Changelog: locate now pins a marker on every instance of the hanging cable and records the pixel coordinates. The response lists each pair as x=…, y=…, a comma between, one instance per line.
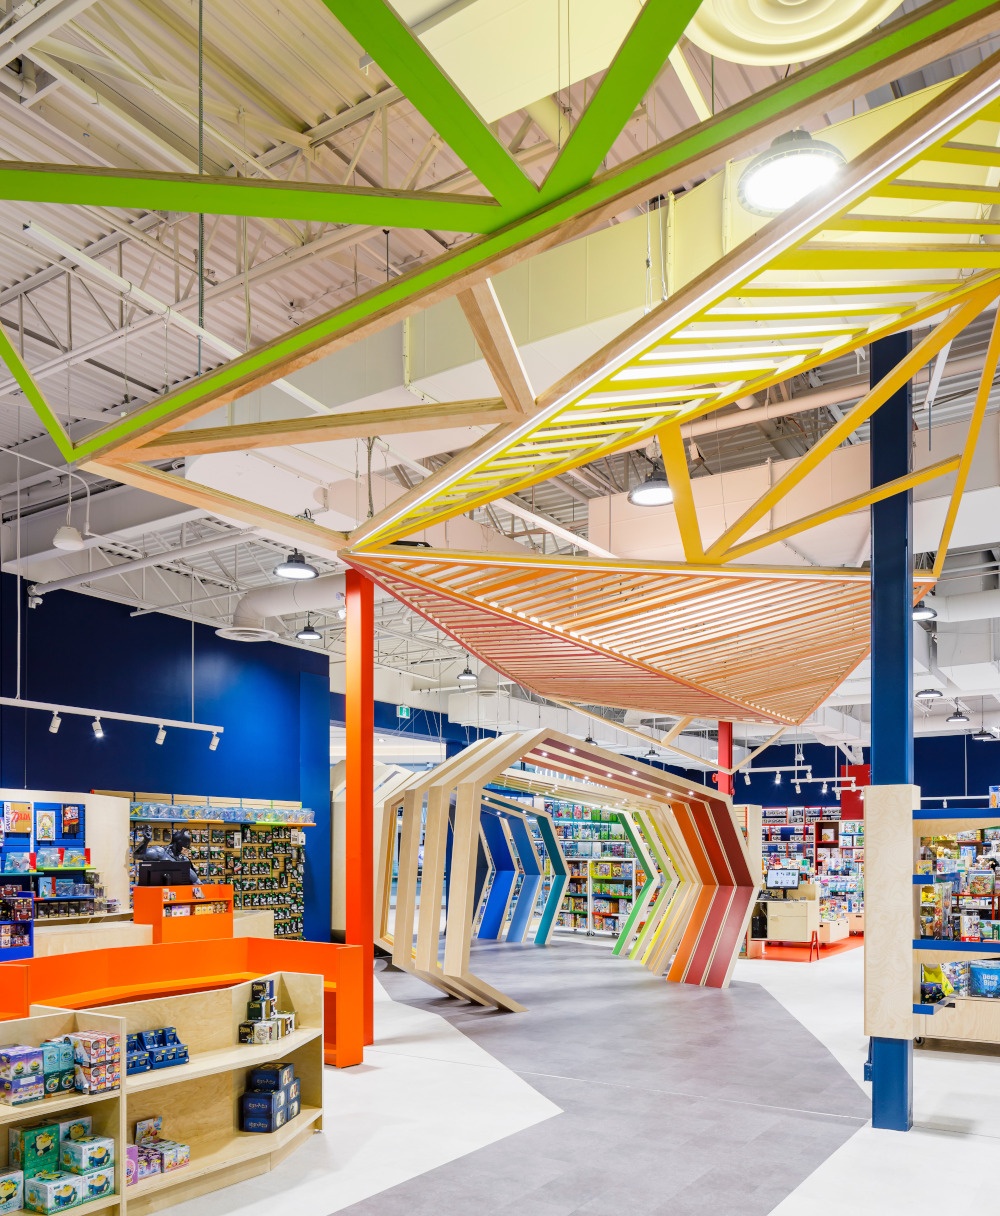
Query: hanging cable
x=201, y=170
x=370, y=444
x=386, y=231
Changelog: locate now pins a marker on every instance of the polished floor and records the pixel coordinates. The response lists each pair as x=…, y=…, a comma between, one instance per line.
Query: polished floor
x=617, y=1092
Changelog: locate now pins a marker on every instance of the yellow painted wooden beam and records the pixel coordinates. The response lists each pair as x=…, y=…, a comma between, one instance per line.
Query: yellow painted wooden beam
x=676, y=466
x=845, y=507
x=975, y=424
x=925, y=350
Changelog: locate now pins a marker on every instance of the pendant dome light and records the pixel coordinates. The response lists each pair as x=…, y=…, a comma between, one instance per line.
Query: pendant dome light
x=957, y=718
x=68, y=539
x=295, y=566
x=655, y=491
x=793, y=166
x=467, y=676
x=929, y=694
x=309, y=633
x=924, y=612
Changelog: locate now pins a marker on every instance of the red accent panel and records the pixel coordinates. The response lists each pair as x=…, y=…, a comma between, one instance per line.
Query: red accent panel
x=852, y=805
x=732, y=932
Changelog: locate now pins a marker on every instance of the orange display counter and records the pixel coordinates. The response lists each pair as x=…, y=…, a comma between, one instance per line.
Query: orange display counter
x=103, y=977
x=178, y=914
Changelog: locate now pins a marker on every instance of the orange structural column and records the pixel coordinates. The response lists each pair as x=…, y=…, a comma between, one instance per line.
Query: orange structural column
x=725, y=780
x=360, y=723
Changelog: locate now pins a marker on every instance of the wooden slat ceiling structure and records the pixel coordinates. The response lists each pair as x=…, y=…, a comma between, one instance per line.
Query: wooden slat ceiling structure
x=712, y=642
x=905, y=235
x=895, y=241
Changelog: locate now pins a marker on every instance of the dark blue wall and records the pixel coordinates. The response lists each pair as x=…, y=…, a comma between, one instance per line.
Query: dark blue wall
x=271, y=700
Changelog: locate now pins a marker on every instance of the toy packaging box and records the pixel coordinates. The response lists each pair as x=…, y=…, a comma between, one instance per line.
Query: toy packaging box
x=90, y=1048
x=168, y=1154
x=76, y=1129
x=264, y=1103
x=89, y=1153
x=18, y=1063
x=270, y=1077
x=11, y=1190
x=262, y=990
x=984, y=978
x=34, y=1148
x=131, y=1164
x=98, y=1183
x=258, y=1032
x=981, y=882
x=25, y=1089
x=147, y=1163
x=53, y=1190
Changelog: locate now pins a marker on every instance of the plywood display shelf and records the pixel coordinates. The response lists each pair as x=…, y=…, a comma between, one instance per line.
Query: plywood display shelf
x=240, y=1148
x=103, y=1204
x=198, y=1102
x=209, y=1063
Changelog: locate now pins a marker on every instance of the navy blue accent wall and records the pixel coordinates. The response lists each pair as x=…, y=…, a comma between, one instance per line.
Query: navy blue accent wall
x=272, y=701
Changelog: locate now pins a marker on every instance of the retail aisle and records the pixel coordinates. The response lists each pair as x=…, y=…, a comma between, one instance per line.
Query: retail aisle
x=675, y=1100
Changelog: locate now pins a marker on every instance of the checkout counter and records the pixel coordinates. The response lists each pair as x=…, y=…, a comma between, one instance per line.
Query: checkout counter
x=789, y=912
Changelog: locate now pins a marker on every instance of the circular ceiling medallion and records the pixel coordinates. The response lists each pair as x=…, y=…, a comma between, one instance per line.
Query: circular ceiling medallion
x=782, y=31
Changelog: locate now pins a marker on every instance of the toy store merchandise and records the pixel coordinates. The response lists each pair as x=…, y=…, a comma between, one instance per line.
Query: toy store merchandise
x=57, y=1165
x=152, y=1153
x=273, y=1097
x=84, y=1061
x=265, y=1022
x=150, y=1049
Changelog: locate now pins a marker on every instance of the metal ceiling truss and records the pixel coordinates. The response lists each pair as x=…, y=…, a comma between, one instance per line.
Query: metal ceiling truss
x=798, y=292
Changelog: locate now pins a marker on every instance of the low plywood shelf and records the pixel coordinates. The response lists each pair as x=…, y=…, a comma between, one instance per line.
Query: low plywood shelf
x=199, y=1102
x=103, y=1204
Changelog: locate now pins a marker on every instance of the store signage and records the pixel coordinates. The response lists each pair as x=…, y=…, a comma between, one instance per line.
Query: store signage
x=402, y=711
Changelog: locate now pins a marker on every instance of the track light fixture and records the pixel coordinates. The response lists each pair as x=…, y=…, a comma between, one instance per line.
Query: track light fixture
x=825, y=787
x=924, y=612
x=746, y=776
x=309, y=633
x=295, y=566
x=798, y=788
x=55, y=724
x=98, y=729
x=777, y=778
x=342, y=614
x=213, y=743
x=161, y=734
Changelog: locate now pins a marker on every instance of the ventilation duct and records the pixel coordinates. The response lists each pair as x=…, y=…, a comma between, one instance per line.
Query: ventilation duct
x=256, y=616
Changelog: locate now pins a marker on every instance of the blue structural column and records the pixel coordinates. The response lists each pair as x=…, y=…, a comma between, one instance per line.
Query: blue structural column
x=314, y=792
x=892, y=669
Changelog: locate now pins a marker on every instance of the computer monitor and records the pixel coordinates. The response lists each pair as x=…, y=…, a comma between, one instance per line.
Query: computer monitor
x=164, y=874
x=781, y=879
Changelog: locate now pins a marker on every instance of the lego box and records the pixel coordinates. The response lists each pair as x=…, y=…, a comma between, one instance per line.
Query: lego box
x=11, y=1190
x=34, y=1148
x=89, y=1153
x=53, y=1190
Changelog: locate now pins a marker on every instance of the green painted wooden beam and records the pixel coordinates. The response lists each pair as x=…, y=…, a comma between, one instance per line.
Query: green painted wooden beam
x=310, y=201
x=403, y=58
x=782, y=102
x=633, y=70
x=9, y=355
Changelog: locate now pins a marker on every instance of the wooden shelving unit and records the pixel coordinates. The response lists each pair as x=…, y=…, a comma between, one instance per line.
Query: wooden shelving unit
x=199, y=1101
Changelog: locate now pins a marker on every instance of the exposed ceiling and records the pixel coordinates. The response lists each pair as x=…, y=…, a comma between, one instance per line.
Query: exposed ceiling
x=100, y=300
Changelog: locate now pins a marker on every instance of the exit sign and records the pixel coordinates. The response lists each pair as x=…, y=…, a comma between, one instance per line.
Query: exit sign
x=402, y=711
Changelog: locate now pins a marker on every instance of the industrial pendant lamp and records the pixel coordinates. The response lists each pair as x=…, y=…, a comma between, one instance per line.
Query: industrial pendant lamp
x=924, y=612
x=68, y=539
x=655, y=491
x=794, y=165
x=467, y=676
x=957, y=718
x=309, y=633
x=983, y=735
x=295, y=566
x=929, y=694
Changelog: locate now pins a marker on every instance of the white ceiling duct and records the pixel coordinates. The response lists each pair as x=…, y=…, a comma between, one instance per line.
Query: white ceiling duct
x=254, y=615
x=974, y=606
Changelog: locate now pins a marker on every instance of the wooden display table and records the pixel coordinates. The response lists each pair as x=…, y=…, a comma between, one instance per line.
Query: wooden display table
x=185, y=914
x=100, y=977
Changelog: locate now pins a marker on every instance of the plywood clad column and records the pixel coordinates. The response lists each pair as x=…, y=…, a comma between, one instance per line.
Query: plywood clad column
x=360, y=728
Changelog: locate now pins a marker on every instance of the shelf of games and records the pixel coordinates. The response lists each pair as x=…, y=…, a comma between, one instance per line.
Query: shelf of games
x=604, y=874
x=258, y=848
x=824, y=849
x=45, y=873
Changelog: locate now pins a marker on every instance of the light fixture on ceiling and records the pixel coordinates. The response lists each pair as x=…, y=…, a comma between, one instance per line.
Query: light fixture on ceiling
x=957, y=718
x=655, y=491
x=55, y=724
x=68, y=539
x=467, y=676
x=929, y=694
x=213, y=743
x=590, y=739
x=295, y=566
x=798, y=788
x=161, y=734
x=98, y=729
x=746, y=776
x=793, y=166
x=651, y=752
x=825, y=788
x=308, y=633
x=342, y=614
x=983, y=735
x=799, y=756
x=924, y=612
x=777, y=778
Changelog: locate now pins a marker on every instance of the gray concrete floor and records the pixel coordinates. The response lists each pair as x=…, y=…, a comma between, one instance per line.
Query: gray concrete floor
x=676, y=1100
